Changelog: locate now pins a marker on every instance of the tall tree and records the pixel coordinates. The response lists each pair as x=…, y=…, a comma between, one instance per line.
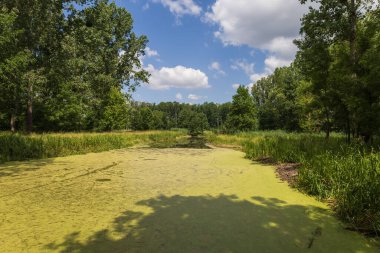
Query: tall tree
x=326, y=31
x=275, y=98
x=243, y=115
x=14, y=62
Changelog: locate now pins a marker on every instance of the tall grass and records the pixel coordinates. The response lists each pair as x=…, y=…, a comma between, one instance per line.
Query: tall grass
x=346, y=174
x=352, y=180
x=18, y=147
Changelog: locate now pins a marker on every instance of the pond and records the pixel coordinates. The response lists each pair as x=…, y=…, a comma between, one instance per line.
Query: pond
x=162, y=200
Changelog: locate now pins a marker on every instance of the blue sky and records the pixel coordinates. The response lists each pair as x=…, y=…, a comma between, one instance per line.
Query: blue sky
x=201, y=50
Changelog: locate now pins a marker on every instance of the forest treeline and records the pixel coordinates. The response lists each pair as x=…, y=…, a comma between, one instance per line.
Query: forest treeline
x=72, y=65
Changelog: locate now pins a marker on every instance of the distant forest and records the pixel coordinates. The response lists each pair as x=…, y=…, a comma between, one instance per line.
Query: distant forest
x=72, y=65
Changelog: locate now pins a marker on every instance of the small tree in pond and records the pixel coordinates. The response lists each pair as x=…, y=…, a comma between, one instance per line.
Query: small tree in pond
x=197, y=123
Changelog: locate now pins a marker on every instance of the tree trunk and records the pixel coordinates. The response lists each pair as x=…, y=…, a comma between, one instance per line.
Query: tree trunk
x=328, y=123
x=13, y=122
x=353, y=19
x=29, y=110
x=348, y=130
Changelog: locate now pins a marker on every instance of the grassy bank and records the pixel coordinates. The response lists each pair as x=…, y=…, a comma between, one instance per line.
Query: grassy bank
x=346, y=175
x=18, y=147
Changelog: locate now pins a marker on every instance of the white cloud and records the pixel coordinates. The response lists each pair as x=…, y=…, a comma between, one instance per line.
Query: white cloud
x=177, y=77
x=215, y=66
x=181, y=7
x=249, y=70
x=267, y=25
x=247, y=67
x=195, y=97
x=256, y=22
x=151, y=53
x=256, y=77
x=274, y=62
x=282, y=46
x=179, y=96
x=248, y=86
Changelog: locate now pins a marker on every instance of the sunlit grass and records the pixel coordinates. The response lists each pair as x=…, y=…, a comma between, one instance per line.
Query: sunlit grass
x=18, y=147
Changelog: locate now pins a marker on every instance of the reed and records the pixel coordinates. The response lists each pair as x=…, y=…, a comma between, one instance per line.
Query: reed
x=18, y=147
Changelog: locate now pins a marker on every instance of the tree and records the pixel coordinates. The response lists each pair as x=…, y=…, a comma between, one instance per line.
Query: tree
x=275, y=98
x=39, y=23
x=141, y=118
x=329, y=57
x=64, y=59
x=115, y=114
x=197, y=124
x=158, y=120
x=13, y=64
x=243, y=116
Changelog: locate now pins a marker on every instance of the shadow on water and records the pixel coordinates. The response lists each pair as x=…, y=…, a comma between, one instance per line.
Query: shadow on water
x=14, y=169
x=208, y=224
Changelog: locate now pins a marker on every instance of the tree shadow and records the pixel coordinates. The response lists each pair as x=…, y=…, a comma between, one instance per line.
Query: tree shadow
x=14, y=169
x=215, y=224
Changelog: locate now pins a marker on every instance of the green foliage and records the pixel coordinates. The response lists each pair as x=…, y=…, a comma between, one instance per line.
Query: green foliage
x=197, y=123
x=276, y=99
x=63, y=69
x=141, y=119
x=242, y=116
x=158, y=120
x=115, y=114
x=171, y=115
x=338, y=37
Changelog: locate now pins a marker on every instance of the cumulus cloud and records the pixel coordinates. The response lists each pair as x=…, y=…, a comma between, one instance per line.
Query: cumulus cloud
x=195, y=97
x=256, y=23
x=267, y=25
x=274, y=62
x=282, y=46
x=177, y=77
x=181, y=7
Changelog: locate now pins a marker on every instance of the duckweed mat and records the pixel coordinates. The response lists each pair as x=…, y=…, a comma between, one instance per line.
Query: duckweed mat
x=162, y=200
